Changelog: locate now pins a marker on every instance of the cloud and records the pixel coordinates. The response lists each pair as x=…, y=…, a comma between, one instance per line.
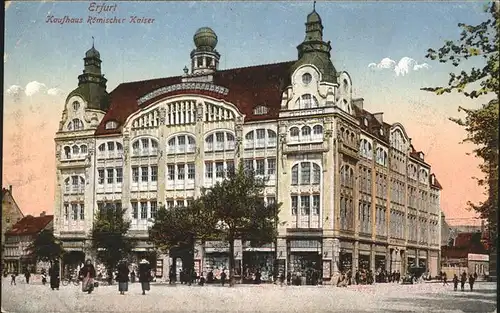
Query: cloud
x=401, y=68
x=34, y=87
x=55, y=92
x=14, y=90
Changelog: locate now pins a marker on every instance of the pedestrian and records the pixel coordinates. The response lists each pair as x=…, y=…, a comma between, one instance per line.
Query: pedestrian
x=288, y=278
x=475, y=276
x=471, y=282
x=223, y=277
x=44, y=277
x=463, y=280
x=27, y=275
x=202, y=280
x=122, y=277
x=132, y=277
x=87, y=274
x=13, y=278
x=356, y=277
x=171, y=275
x=282, y=278
x=445, y=279
x=144, y=275
x=258, y=276
x=455, y=282
x=54, y=276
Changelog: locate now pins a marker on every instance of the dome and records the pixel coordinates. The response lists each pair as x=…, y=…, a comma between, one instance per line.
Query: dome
x=313, y=17
x=92, y=53
x=205, y=37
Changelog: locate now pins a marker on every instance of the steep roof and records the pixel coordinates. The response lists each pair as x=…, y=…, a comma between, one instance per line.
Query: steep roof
x=6, y=192
x=374, y=125
x=248, y=88
x=435, y=183
x=30, y=225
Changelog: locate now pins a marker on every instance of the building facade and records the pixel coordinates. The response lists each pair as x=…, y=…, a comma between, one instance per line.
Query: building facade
x=354, y=191
x=18, y=239
x=11, y=213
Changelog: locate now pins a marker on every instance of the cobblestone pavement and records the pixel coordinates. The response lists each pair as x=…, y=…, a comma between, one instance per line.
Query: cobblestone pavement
x=390, y=298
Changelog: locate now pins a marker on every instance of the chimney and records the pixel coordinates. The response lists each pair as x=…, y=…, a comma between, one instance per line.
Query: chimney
x=42, y=214
x=379, y=117
x=10, y=189
x=358, y=102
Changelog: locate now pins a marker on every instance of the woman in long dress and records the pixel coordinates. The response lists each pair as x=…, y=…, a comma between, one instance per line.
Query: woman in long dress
x=122, y=277
x=54, y=275
x=144, y=275
x=87, y=273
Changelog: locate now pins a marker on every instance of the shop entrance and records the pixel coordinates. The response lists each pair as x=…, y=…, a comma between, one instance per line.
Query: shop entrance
x=258, y=261
x=345, y=261
x=72, y=261
x=306, y=267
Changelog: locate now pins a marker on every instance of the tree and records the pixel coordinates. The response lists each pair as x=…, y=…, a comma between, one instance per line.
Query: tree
x=179, y=227
x=479, y=41
x=45, y=247
x=235, y=209
x=109, y=238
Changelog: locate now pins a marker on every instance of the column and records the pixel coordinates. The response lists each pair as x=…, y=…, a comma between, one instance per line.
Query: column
x=388, y=260
x=126, y=175
x=372, y=258
x=335, y=256
x=199, y=163
x=355, y=257
x=162, y=160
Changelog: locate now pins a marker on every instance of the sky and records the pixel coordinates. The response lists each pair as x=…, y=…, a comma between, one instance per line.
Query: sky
x=382, y=45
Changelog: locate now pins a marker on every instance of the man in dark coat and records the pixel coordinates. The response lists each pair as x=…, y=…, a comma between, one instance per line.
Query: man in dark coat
x=54, y=276
x=463, y=280
x=87, y=274
x=27, y=275
x=471, y=282
x=144, y=275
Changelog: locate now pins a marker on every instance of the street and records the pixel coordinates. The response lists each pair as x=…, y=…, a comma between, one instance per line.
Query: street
x=390, y=298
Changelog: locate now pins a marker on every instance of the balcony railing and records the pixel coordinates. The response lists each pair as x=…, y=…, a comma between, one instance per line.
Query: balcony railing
x=306, y=147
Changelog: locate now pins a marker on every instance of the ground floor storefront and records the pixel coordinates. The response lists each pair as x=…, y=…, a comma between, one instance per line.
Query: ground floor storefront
x=306, y=260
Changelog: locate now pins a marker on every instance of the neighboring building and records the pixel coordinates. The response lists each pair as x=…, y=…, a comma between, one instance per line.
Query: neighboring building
x=11, y=213
x=355, y=192
x=17, y=240
x=468, y=253
x=446, y=233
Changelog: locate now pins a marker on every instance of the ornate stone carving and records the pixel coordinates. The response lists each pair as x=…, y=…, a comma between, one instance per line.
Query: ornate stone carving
x=58, y=151
x=199, y=112
x=163, y=115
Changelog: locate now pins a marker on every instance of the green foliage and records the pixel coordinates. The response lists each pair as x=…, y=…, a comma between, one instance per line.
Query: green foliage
x=109, y=237
x=479, y=41
x=45, y=247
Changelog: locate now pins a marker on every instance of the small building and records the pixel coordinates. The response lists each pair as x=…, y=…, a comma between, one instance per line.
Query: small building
x=11, y=213
x=468, y=253
x=18, y=239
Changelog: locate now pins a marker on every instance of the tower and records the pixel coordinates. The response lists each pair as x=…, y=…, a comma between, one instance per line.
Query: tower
x=313, y=50
x=91, y=83
x=204, y=58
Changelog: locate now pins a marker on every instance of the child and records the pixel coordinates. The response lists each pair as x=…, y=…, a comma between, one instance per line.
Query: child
x=44, y=278
x=13, y=280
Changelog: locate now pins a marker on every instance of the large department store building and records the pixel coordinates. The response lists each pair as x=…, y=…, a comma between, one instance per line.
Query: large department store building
x=354, y=191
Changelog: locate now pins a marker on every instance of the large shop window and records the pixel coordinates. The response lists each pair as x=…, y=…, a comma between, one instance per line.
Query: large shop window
x=303, y=175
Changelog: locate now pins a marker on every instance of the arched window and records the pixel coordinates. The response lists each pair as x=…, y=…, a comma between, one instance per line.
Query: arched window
x=260, y=138
x=77, y=124
x=67, y=152
x=306, y=173
x=83, y=149
x=307, y=101
x=271, y=138
x=223, y=141
x=144, y=147
x=306, y=131
x=76, y=149
x=294, y=134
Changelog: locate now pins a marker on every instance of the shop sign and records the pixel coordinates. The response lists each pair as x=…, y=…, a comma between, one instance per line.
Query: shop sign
x=159, y=268
x=327, y=266
x=478, y=257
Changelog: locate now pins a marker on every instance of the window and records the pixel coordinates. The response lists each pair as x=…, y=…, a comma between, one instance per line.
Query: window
x=144, y=210
x=271, y=200
x=171, y=172
x=317, y=130
x=76, y=149
x=271, y=166
x=260, y=170
x=100, y=178
x=154, y=208
x=83, y=149
x=119, y=174
x=82, y=211
x=230, y=167
x=295, y=175
x=76, y=105
x=305, y=205
x=316, y=174
x=66, y=211
x=209, y=143
x=154, y=173
x=181, y=144
x=191, y=171
x=294, y=205
x=260, y=110
x=77, y=124
x=135, y=174
x=111, y=125
x=248, y=165
x=100, y=207
x=305, y=173
x=316, y=204
x=180, y=203
x=74, y=209
x=180, y=171
x=144, y=173
x=110, y=174
x=294, y=133
x=209, y=170
x=219, y=169
x=306, y=78
x=306, y=101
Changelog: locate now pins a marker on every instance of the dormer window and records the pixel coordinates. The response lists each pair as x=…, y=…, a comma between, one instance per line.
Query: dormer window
x=421, y=155
x=306, y=78
x=306, y=101
x=365, y=122
x=260, y=110
x=111, y=125
x=76, y=105
x=381, y=132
